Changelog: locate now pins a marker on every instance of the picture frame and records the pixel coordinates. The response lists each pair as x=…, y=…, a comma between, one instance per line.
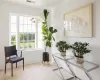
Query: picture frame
x=78, y=23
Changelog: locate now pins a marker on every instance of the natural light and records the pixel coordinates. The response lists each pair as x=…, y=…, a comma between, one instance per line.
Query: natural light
x=25, y=33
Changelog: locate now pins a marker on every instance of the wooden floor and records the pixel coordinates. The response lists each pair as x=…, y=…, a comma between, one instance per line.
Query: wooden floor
x=39, y=72
x=31, y=72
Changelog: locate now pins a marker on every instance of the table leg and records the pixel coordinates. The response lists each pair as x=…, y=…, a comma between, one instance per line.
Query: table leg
x=58, y=68
x=88, y=75
x=69, y=67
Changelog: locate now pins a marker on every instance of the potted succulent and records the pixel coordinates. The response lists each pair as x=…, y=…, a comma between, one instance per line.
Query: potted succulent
x=47, y=33
x=79, y=49
x=62, y=47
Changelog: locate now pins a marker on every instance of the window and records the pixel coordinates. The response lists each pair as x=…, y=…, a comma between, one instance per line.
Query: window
x=24, y=33
x=13, y=29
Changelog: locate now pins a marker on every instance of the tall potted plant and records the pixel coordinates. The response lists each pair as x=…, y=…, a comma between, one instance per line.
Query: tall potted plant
x=62, y=47
x=47, y=34
x=79, y=49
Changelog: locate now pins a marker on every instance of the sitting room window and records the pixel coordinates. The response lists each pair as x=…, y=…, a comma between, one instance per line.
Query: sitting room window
x=24, y=33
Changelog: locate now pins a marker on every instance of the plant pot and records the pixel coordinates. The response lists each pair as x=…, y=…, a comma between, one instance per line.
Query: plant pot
x=45, y=56
x=79, y=60
x=63, y=53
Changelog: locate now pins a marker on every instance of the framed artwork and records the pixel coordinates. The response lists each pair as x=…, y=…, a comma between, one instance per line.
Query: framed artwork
x=78, y=23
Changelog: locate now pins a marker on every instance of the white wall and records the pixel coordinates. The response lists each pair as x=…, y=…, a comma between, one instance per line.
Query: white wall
x=58, y=18
x=57, y=22
x=1, y=2
x=5, y=9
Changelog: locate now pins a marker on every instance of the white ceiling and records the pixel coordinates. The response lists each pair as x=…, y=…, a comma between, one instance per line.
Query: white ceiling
x=1, y=1
x=38, y=3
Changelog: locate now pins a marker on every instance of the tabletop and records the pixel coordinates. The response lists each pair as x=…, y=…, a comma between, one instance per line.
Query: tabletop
x=86, y=65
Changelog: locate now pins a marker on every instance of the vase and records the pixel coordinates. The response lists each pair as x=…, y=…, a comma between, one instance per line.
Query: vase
x=63, y=53
x=79, y=60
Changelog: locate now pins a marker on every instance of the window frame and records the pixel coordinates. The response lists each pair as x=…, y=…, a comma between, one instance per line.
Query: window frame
x=18, y=31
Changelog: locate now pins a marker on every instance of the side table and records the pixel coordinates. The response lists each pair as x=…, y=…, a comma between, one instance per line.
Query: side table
x=86, y=66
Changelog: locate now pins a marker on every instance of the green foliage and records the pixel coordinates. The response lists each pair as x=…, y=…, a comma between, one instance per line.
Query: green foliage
x=13, y=38
x=46, y=13
x=48, y=35
x=79, y=49
x=47, y=31
x=62, y=46
x=25, y=36
x=27, y=40
x=13, y=43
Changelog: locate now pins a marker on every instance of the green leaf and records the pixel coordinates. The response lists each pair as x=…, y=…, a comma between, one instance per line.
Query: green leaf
x=80, y=48
x=46, y=13
x=51, y=29
x=44, y=22
x=62, y=46
x=48, y=43
x=44, y=30
x=53, y=38
x=55, y=30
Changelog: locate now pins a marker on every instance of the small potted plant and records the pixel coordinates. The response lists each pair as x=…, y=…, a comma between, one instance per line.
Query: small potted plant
x=62, y=47
x=79, y=49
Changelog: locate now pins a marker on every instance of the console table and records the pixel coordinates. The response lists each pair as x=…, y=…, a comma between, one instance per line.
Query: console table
x=69, y=60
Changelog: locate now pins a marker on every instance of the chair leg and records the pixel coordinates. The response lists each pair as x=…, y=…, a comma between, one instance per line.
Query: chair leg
x=12, y=69
x=23, y=64
x=5, y=67
x=16, y=64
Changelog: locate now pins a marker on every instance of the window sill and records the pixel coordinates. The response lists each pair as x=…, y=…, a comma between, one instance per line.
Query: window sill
x=37, y=49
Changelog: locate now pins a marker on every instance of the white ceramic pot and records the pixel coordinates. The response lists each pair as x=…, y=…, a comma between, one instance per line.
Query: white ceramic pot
x=79, y=60
x=63, y=53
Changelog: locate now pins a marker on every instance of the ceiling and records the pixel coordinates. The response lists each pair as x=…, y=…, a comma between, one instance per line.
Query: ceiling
x=38, y=3
x=1, y=1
